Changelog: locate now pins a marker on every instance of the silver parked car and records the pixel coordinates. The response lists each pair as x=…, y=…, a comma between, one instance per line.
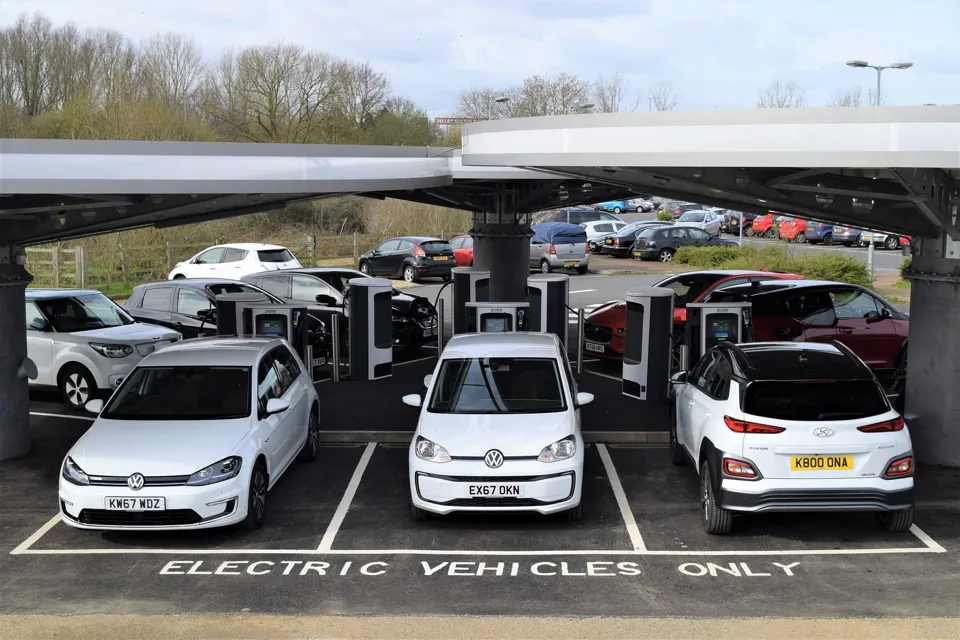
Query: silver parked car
x=558, y=245
x=847, y=236
x=709, y=221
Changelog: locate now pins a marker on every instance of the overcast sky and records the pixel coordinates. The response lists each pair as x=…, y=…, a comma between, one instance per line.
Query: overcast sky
x=716, y=53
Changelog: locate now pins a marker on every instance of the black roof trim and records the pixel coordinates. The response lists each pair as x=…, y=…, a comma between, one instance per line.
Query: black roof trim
x=810, y=363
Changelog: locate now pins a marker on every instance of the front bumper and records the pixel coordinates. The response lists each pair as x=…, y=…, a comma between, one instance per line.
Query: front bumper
x=205, y=507
x=865, y=494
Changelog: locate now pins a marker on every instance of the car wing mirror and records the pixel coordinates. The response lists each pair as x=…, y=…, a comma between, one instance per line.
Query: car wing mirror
x=94, y=406
x=679, y=377
x=326, y=299
x=412, y=400
x=276, y=405
x=427, y=379
x=207, y=315
x=583, y=399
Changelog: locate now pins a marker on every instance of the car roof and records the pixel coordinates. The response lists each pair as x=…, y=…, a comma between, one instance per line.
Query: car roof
x=772, y=286
x=785, y=361
x=317, y=271
x=196, y=283
x=213, y=351
x=250, y=246
x=417, y=239
x=47, y=294
x=501, y=345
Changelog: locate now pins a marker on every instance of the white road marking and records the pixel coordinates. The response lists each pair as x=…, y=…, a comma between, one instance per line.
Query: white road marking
x=327, y=541
x=927, y=540
x=584, y=291
x=39, y=533
x=62, y=415
x=603, y=375
x=397, y=364
x=632, y=529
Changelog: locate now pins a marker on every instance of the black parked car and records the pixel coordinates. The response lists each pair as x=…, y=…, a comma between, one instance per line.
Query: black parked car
x=325, y=289
x=661, y=243
x=730, y=222
x=620, y=244
x=411, y=258
x=189, y=306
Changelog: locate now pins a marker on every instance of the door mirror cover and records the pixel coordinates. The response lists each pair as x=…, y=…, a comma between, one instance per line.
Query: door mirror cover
x=584, y=398
x=276, y=405
x=679, y=377
x=412, y=400
x=427, y=379
x=325, y=299
x=94, y=406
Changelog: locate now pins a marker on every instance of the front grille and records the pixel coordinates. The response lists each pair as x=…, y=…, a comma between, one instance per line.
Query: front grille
x=171, y=517
x=597, y=333
x=152, y=481
x=494, y=502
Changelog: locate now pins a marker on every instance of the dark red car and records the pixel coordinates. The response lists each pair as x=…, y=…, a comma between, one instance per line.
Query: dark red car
x=605, y=327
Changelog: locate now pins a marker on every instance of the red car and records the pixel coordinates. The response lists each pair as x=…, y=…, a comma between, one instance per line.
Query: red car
x=463, y=250
x=793, y=230
x=604, y=328
x=763, y=226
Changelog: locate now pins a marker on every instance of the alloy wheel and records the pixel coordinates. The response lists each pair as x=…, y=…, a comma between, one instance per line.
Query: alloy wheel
x=313, y=434
x=77, y=389
x=258, y=498
x=665, y=256
x=409, y=274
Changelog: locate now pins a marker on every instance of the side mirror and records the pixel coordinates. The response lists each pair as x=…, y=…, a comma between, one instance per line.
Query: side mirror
x=325, y=299
x=38, y=325
x=412, y=400
x=679, y=377
x=583, y=399
x=427, y=379
x=885, y=313
x=207, y=315
x=94, y=406
x=277, y=405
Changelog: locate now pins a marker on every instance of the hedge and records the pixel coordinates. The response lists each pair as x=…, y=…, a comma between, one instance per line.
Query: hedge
x=665, y=216
x=833, y=266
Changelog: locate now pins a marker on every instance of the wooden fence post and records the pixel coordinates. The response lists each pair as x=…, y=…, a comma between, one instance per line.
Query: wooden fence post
x=356, y=252
x=123, y=262
x=55, y=265
x=169, y=257
x=80, y=265
x=313, y=250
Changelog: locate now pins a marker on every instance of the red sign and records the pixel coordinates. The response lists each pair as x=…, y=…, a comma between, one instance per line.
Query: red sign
x=449, y=121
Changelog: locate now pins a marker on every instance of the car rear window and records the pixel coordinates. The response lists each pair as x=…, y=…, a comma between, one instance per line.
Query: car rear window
x=436, y=246
x=815, y=400
x=275, y=255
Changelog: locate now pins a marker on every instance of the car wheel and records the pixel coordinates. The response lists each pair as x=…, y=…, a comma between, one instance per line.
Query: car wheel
x=640, y=209
x=418, y=514
x=860, y=242
x=545, y=266
x=257, y=497
x=770, y=233
x=891, y=242
x=575, y=514
x=365, y=268
x=716, y=521
x=582, y=270
x=617, y=210
x=665, y=255
x=828, y=239
x=896, y=521
x=179, y=276
x=311, y=447
x=77, y=386
x=801, y=238
x=677, y=455
x=409, y=274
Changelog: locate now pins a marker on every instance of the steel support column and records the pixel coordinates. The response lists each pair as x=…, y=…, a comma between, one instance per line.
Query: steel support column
x=14, y=399
x=932, y=407
x=501, y=245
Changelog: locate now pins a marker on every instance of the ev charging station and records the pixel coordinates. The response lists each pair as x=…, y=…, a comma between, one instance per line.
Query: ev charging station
x=371, y=329
x=709, y=324
x=497, y=317
x=549, y=296
x=469, y=285
x=647, y=344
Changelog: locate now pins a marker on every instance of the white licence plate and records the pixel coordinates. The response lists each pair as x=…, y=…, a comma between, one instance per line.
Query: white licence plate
x=495, y=491
x=596, y=348
x=429, y=332
x=319, y=362
x=136, y=504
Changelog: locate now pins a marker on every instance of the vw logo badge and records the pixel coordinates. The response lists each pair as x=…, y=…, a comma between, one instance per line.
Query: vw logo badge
x=493, y=459
x=135, y=481
x=823, y=432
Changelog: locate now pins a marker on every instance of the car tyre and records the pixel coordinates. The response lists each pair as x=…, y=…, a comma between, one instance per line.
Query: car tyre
x=677, y=455
x=409, y=274
x=665, y=255
x=582, y=270
x=800, y=238
x=770, y=233
x=896, y=521
x=716, y=521
x=828, y=239
x=418, y=514
x=545, y=266
x=365, y=268
x=575, y=514
x=179, y=276
x=257, y=497
x=640, y=209
x=311, y=446
x=891, y=242
x=77, y=386
x=617, y=210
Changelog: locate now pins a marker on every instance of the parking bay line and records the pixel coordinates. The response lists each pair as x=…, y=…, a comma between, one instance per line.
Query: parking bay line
x=326, y=543
x=632, y=529
x=24, y=546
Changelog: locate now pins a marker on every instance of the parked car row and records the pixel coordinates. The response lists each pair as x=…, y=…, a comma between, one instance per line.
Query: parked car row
x=793, y=229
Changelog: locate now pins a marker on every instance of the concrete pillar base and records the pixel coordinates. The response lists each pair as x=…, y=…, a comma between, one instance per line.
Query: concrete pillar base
x=14, y=398
x=504, y=251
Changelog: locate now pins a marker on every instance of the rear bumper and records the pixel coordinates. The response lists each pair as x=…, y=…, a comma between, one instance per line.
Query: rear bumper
x=560, y=263
x=618, y=252
x=435, y=269
x=846, y=499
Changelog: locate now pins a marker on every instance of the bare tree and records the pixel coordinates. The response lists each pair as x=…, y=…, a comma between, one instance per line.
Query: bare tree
x=172, y=68
x=872, y=98
x=609, y=93
x=361, y=93
x=549, y=95
x=850, y=98
x=480, y=103
x=662, y=97
x=30, y=48
x=781, y=95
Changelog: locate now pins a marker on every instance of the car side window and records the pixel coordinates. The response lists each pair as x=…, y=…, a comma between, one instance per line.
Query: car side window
x=814, y=309
x=678, y=234
x=617, y=226
x=467, y=243
x=307, y=288
x=698, y=234
x=389, y=245
x=456, y=242
x=854, y=304
x=698, y=376
x=277, y=285
x=603, y=228
x=731, y=283
x=405, y=245
x=234, y=255
x=157, y=299
x=718, y=379
x=607, y=216
x=211, y=256
x=191, y=303
x=287, y=368
x=268, y=383
x=35, y=319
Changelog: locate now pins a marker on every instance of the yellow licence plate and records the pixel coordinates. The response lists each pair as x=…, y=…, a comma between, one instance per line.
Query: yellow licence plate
x=571, y=263
x=441, y=258
x=821, y=463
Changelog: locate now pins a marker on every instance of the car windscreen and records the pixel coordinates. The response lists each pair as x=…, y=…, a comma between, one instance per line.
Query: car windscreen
x=687, y=288
x=815, y=400
x=83, y=313
x=691, y=217
x=182, y=393
x=275, y=255
x=498, y=385
x=235, y=287
x=436, y=246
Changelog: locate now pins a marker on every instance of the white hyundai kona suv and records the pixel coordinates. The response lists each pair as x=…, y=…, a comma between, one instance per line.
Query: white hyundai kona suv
x=194, y=438
x=499, y=429
x=785, y=426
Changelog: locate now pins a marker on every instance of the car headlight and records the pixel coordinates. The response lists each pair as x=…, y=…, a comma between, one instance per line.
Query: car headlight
x=73, y=473
x=427, y=450
x=217, y=472
x=112, y=350
x=559, y=450
x=398, y=318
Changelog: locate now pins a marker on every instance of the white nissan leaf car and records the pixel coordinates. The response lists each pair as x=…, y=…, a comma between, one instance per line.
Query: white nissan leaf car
x=499, y=429
x=786, y=426
x=194, y=438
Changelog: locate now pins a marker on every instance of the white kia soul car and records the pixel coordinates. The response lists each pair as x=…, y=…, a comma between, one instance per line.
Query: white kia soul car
x=233, y=261
x=499, y=429
x=194, y=438
x=82, y=342
x=785, y=426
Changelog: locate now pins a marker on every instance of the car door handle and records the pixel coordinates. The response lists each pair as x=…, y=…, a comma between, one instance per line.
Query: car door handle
x=844, y=330
x=690, y=404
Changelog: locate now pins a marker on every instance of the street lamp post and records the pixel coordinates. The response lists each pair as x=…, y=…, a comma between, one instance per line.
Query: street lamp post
x=499, y=100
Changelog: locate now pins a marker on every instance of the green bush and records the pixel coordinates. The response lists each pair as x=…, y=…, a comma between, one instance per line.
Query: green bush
x=812, y=266
x=906, y=264
x=665, y=216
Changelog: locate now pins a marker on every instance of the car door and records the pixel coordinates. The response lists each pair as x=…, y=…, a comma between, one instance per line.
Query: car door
x=155, y=306
x=294, y=384
x=207, y=264
x=186, y=315
x=698, y=407
x=380, y=259
x=40, y=344
x=866, y=326
x=233, y=265
x=814, y=315
x=699, y=237
x=270, y=427
x=278, y=285
x=404, y=250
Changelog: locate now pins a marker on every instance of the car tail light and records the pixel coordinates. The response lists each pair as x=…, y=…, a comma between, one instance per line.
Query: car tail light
x=741, y=426
x=586, y=249
x=553, y=250
x=900, y=468
x=682, y=315
x=419, y=252
x=738, y=468
x=883, y=427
